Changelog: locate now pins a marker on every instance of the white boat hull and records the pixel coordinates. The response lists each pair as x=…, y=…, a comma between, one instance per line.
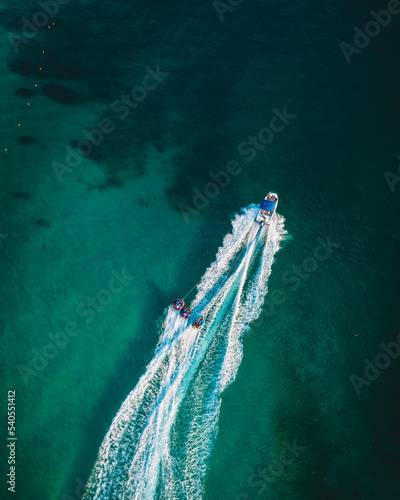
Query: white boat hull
x=267, y=209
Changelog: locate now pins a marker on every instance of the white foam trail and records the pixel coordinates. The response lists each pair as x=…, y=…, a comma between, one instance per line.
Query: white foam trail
x=160, y=440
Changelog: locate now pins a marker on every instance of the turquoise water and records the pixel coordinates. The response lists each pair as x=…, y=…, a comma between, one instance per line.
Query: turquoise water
x=120, y=212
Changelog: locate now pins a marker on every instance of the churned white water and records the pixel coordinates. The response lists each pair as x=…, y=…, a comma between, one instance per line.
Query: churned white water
x=159, y=442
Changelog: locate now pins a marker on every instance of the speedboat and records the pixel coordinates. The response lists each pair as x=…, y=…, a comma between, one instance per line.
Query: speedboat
x=185, y=312
x=267, y=209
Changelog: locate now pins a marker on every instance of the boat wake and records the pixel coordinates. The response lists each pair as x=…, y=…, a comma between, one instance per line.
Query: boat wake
x=160, y=440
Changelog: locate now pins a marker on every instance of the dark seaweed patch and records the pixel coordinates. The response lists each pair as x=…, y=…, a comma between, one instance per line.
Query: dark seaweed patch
x=143, y=202
x=112, y=180
x=41, y=222
x=21, y=195
x=52, y=69
x=61, y=94
x=22, y=92
x=24, y=68
x=27, y=140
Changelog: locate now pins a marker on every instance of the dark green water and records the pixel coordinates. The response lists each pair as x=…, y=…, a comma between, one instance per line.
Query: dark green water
x=119, y=209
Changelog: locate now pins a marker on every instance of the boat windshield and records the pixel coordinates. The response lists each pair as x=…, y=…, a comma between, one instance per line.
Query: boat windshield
x=267, y=205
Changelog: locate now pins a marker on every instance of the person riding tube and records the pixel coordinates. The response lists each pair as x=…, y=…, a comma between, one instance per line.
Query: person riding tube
x=186, y=312
x=198, y=322
x=178, y=304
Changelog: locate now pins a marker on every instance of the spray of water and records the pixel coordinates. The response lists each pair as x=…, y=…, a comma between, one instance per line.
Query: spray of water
x=160, y=440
